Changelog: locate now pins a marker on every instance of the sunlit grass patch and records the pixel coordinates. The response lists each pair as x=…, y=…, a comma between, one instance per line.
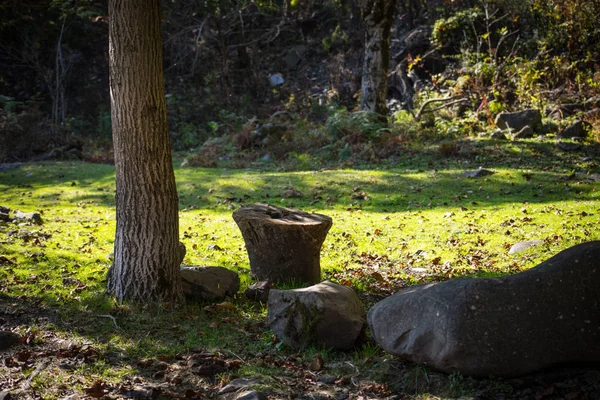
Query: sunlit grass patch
x=393, y=226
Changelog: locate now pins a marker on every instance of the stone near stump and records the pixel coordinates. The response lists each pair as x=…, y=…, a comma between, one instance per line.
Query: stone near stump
x=506, y=326
x=478, y=173
x=282, y=244
x=578, y=129
x=522, y=246
x=259, y=291
x=33, y=217
x=518, y=120
x=209, y=283
x=525, y=133
x=326, y=314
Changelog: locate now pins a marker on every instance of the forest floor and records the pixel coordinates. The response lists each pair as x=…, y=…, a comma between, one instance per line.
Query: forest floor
x=407, y=221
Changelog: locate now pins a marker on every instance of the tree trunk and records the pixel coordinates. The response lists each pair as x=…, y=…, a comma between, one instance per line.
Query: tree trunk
x=147, y=250
x=378, y=16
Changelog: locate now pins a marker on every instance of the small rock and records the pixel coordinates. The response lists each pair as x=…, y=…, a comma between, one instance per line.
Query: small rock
x=259, y=291
x=8, y=339
x=518, y=120
x=565, y=146
x=276, y=80
x=4, y=210
x=291, y=192
x=33, y=217
x=525, y=133
x=498, y=135
x=328, y=379
x=326, y=314
x=522, y=246
x=593, y=178
x=209, y=283
x=252, y=395
x=478, y=173
x=578, y=129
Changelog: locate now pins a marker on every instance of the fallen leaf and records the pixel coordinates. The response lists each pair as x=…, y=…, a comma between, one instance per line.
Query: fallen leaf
x=317, y=363
x=377, y=276
x=97, y=390
x=23, y=355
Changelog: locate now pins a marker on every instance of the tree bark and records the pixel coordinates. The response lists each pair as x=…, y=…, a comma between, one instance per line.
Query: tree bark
x=147, y=250
x=378, y=16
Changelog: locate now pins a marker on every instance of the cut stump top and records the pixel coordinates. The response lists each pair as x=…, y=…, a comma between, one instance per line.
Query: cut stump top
x=269, y=214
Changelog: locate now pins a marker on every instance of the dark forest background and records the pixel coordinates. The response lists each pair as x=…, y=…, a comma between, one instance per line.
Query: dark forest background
x=223, y=61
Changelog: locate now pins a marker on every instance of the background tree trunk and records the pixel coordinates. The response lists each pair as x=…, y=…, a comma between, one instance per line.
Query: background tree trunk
x=378, y=16
x=147, y=250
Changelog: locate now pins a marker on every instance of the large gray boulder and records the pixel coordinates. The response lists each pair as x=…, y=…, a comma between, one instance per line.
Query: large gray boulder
x=519, y=120
x=506, y=326
x=209, y=283
x=326, y=314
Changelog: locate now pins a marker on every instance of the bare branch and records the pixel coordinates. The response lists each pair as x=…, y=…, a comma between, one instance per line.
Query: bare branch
x=451, y=101
x=113, y=320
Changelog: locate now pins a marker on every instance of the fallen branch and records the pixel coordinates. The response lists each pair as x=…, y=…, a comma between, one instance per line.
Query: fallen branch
x=451, y=101
x=40, y=367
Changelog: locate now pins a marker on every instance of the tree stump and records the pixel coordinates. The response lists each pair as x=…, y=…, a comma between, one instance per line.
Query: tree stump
x=283, y=244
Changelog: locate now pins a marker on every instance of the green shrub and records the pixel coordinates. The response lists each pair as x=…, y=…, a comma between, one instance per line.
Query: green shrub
x=356, y=127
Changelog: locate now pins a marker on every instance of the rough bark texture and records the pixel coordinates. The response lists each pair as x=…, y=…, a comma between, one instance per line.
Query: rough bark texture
x=378, y=16
x=283, y=244
x=147, y=250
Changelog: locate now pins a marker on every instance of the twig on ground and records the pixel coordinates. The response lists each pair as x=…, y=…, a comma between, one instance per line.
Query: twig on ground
x=113, y=320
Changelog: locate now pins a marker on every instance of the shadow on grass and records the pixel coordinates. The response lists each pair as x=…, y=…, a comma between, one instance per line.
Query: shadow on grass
x=529, y=171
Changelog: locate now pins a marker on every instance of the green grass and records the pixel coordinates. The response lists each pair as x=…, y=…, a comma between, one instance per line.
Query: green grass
x=398, y=224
